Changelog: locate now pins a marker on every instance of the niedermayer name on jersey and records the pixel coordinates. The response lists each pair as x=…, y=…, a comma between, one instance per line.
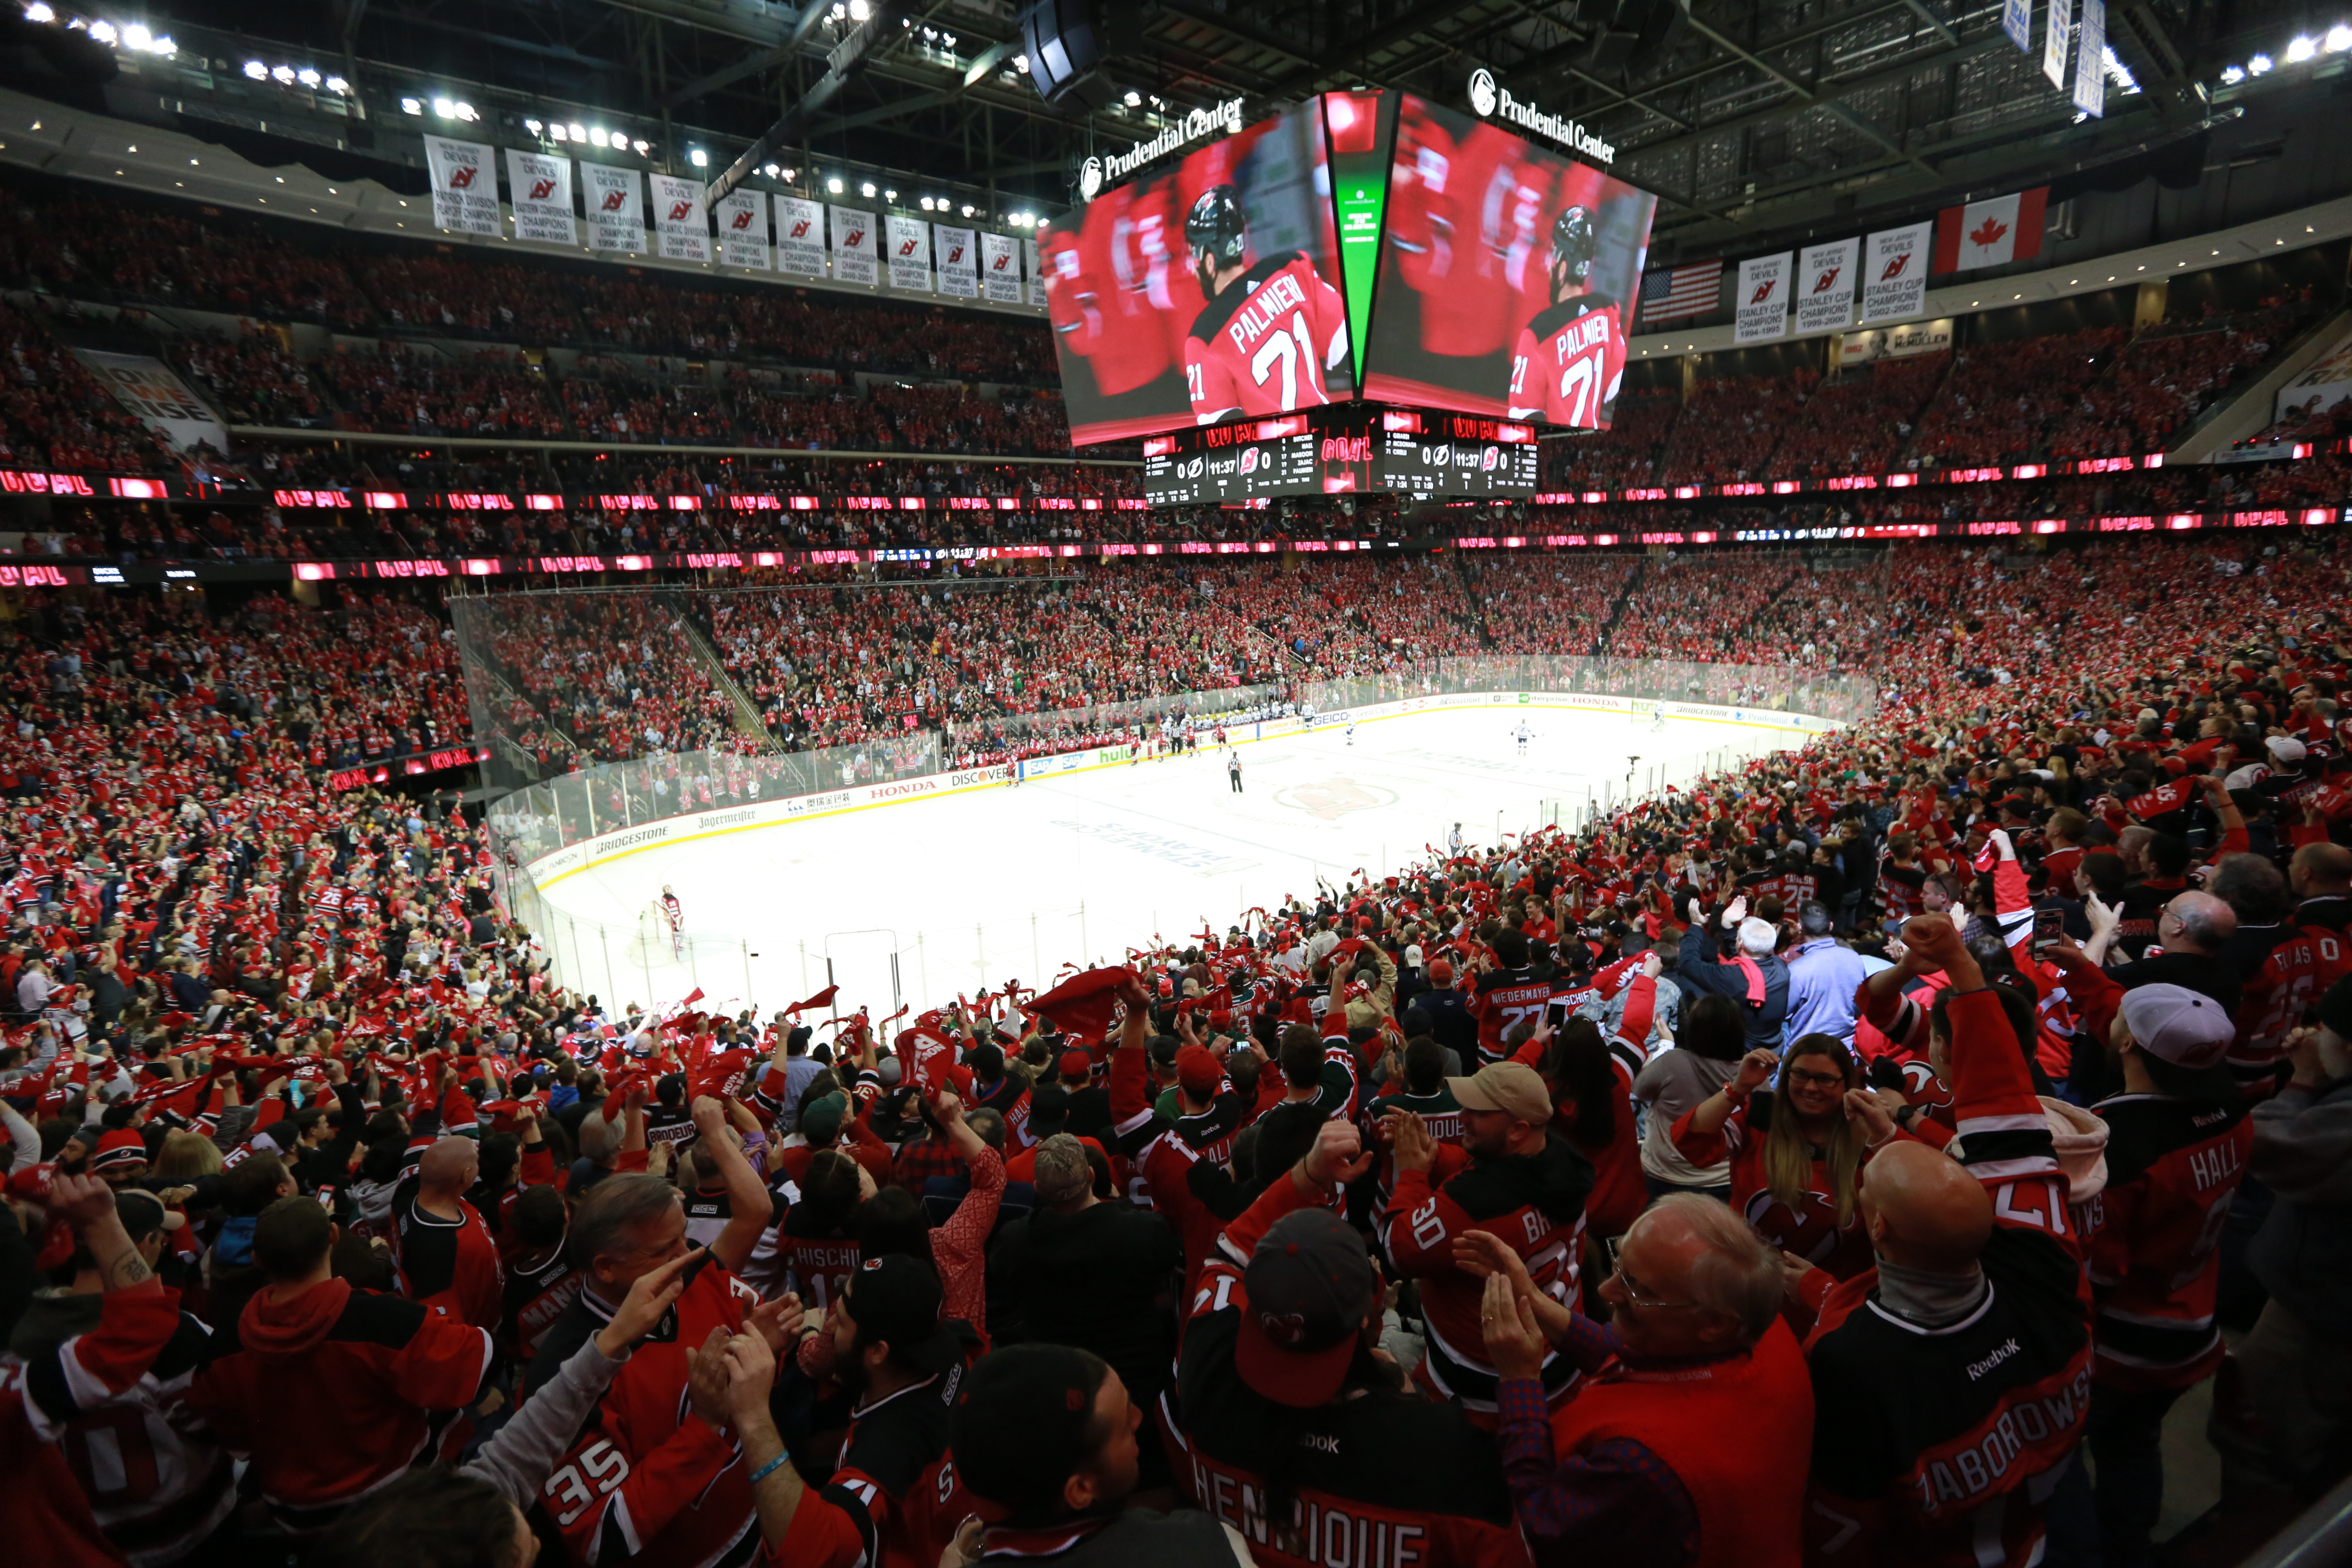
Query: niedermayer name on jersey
x=1278, y=293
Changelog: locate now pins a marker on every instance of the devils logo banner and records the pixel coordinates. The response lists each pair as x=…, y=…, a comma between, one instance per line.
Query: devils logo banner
x=1142, y=281
x=1895, y=273
x=679, y=220
x=1826, y=281
x=1000, y=269
x=615, y=200
x=1508, y=277
x=855, y=246
x=541, y=191
x=743, y=231
x=1761, y=307
x=909, y=241
x=800, y=236
x=464, y=185
x=959, y=266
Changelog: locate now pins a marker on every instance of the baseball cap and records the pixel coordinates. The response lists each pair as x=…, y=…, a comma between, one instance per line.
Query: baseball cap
x=2286, y=748
x=120, y=1147
x=1078, y=1064
x=1308, y=1289
x=895, y=1300
x=1513, y=1088
x=1441, y=971
x=2185, y=1036
x=1413, y=955
x=1046, y=1394
x=821, y=1118
x=1198, y=1071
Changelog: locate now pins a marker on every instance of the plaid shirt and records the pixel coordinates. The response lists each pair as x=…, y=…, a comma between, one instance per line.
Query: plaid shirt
x=920, y=1161
x=1614, y=1503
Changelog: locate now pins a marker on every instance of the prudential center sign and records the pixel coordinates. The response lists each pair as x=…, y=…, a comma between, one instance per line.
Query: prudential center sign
x=1493, y=102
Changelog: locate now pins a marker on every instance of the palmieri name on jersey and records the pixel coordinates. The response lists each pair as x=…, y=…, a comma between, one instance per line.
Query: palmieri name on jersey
x=1278, y=293
x=1588, y=330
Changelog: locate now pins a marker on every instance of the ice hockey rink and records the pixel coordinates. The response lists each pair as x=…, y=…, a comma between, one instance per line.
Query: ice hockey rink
x=1011, y=882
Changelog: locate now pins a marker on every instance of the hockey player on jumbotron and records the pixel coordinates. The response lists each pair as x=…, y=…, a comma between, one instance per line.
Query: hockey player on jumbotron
x=1569, y=359
x=1271, y=329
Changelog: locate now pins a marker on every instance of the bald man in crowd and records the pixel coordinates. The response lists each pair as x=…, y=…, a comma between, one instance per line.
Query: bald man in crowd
x=1952, y=1381
x=2321, y=877
x=447, y=1257
x=2190, y=933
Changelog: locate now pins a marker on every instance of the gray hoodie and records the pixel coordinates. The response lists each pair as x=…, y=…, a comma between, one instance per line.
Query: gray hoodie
x=2302, y=1254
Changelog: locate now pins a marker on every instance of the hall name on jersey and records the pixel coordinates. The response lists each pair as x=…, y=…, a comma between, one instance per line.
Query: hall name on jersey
x=1278, y=293
x=1587, y=331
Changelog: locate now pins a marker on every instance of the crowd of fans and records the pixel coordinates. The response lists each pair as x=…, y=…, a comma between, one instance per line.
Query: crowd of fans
x=1745, y=1175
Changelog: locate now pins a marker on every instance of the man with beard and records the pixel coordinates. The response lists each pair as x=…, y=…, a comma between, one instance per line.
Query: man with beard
x=1511, y=1178
x=1271, y=331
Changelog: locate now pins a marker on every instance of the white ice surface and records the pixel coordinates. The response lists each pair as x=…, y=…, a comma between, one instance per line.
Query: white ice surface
x=1010, y=883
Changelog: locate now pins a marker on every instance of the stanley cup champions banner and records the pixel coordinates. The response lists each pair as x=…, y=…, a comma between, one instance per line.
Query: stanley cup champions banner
x=464, y=185
x=743, y=231
x=1761, y=311
x=679, y=219
x=1000, y=269
x=853, y=246
x=1895, y=272
x=958, y=265
x=617, y=208
x=542, y=188
x=800, y=236
x=911, y=253
x=1825, y=286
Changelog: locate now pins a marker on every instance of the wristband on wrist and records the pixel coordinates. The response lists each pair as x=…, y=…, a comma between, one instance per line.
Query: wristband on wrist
x=771, y=1468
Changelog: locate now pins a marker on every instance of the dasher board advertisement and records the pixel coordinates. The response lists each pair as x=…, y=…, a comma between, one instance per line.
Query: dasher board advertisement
x=1207, y=292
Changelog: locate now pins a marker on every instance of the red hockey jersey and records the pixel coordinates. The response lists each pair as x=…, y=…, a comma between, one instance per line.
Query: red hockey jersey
x=1567, y=363
x=1266, y=343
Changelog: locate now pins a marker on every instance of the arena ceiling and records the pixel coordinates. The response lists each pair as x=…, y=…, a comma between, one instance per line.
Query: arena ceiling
x=1751, y=119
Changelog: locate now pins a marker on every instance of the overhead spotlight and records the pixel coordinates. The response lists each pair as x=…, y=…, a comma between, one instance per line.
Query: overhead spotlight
x=770, y=169
x=135, y=35
x=578, y=133
x=834, y=185
x=410, y=106
x=533, y=126
x=36, y=12
x=2338, y=39
x=2233, y=75
x=1021, y=64
x=859, y=10
x=103, y=32
x=465, y=111
x=283, y=75
x=335, y=84
x=889, y=196
x=642, y=148
x=446, y=108
x=2259, y=65
x=698, y=158
x=308, y=77
x=927, y=204
x=967, y=209
x=256, y=71
x=2302, y=48
x=865, y=189
x=1134, y=100
x=601, y=137
x=558, y=133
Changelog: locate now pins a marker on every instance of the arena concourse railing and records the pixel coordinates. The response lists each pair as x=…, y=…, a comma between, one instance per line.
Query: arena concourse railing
x=547, y=831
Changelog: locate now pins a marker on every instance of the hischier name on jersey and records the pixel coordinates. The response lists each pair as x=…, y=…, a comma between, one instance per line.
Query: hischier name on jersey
x=1271, y=330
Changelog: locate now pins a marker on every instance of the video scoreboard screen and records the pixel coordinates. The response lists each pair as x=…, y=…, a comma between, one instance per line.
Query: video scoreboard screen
x=1345, y=450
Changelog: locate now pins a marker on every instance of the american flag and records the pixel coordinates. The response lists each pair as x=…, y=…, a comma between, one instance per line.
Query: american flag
x=1681, y=290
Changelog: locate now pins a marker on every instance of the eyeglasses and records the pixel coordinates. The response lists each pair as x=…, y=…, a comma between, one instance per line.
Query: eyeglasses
x=1814, y=1080
x=1637, y=1297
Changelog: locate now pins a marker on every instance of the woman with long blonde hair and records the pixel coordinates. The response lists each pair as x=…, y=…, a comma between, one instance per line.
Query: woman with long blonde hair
x=1796, y=1152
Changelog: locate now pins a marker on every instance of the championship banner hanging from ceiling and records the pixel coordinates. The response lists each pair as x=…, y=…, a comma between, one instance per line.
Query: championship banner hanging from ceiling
x=743, y=231
x=683, y=230
x=542, y=188
x=800, y=236
x=959, y=265
x=1000, y=269
x=853, y=246
x=909, y=239
x=1825, y=286
x=615, y=200
x=1762, y=303
x=1895, y=272
x=464, y=185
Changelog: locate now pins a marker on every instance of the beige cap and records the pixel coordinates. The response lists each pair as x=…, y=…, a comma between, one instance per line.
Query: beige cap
x=1513, y=1088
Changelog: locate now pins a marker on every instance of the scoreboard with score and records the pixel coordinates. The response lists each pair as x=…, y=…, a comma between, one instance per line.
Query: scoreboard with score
x=1340, y=450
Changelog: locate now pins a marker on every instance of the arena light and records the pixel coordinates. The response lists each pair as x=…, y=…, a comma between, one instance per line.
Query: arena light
x=2302, y=47
x=2259, y=65
x=2338, y=39
x=36, y=12
x=697, y=157
x=579, y=131
x=410, y=106
x=601, y=137
x=642, y=147
x=834, y=185
x=335, y=84
x=865, y=189
x=256, y=70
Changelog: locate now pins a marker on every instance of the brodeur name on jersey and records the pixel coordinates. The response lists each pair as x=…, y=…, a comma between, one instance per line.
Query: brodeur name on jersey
x=1568, y=362
x=1263, y=344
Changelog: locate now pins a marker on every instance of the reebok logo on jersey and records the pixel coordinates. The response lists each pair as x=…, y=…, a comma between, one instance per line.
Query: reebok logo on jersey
x=1320, y=1442
x=1277, y=294
x=2001, y=1352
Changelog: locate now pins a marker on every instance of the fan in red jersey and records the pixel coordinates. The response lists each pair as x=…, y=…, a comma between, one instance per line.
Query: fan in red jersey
x=1271, y=330
x=1570, y=358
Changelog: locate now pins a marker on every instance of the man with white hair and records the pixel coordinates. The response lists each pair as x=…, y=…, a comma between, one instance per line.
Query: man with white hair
x=1633, y=1468
x=1750, y=975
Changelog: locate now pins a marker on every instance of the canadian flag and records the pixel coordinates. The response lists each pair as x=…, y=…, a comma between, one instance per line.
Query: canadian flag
x=1986, y=234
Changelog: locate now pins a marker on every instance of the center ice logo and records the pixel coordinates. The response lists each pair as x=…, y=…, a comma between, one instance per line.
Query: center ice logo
x=1331, y=799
